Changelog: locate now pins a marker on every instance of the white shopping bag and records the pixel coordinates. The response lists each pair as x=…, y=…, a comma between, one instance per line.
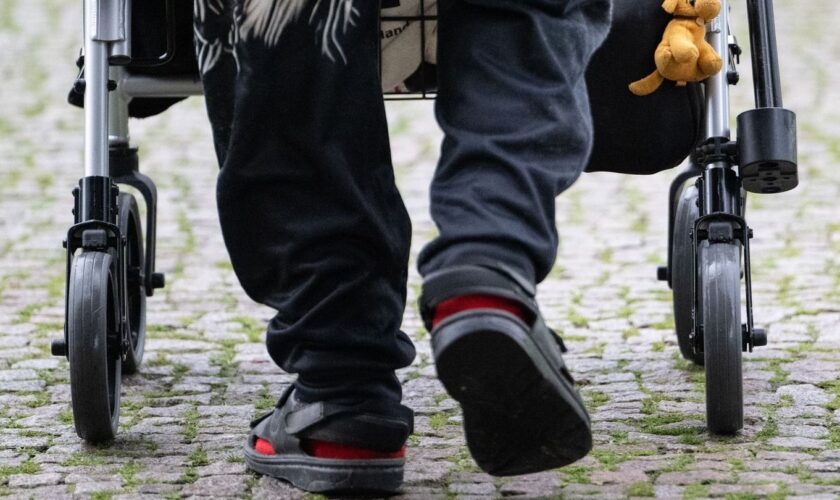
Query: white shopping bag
x=402, y=54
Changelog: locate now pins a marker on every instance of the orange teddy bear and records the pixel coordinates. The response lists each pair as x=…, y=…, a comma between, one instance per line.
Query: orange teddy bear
x=683, y=55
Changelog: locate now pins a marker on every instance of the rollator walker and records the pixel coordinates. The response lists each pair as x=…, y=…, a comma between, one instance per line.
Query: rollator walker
x=111, y=260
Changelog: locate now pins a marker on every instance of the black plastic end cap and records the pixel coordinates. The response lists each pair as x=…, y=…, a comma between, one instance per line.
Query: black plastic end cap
x=58, y=347
x=662, y=273
x=759, y=337
x=158, y=280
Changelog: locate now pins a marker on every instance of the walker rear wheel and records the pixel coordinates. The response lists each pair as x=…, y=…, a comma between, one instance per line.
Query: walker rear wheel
x=683, y=272
x=135, y=287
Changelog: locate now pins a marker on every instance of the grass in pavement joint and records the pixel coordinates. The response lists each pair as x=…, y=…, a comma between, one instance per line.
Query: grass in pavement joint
x=196, y=459
x=640, y=489
x=190, y=424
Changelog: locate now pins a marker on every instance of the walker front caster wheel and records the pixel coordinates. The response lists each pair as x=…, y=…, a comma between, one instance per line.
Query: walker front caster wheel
x=723, y=338
x=94, y=345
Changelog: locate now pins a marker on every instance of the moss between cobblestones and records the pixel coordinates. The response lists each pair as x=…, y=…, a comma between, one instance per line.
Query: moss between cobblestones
x=833, y=388
x=196, y=459
x=157, y=328
x=573, y=338
x=597, y=398
x=225, y=359
x=441, y=419
x=769, y=431
x=653, y=424
x=641, y=224
x=159, y=360
x=103, y=495
x=602, y=278
x=26, y=467
x=223, y=264
x=692, y=439
x=252, y=328
x=85, y=458
x=800, y=471
x=680, y=463
x=558, y=272
x=640, y=489
x=605, y=255
x=785, y=401
x=650, y=405
x=620, y=437
x=741, y=496
x=265, y=401
x=128, y=472
x=190, y=424
x=578, y=474
x=611, y=459
x=25, y=313
x=685, y=365
x=666, y=324
x=833, y=436
x=42, y=398
x=696, y=490
x=780, y=494
x=737, y=464
x=52, y=377
x=630, y=333
x=780, y=376
x=65, y=416
x=576, y=319
x=596, y=350
x=463, y=461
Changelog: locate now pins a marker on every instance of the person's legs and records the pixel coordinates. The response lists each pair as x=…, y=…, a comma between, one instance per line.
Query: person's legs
x=309, y=209
x=314, y=225
x=513, y=104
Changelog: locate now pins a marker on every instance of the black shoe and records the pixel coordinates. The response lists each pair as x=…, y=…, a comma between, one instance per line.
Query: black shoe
x=324, y=447
x=522, y=413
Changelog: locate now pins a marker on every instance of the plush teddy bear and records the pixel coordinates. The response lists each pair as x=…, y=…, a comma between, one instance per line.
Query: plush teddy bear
x=683, y=55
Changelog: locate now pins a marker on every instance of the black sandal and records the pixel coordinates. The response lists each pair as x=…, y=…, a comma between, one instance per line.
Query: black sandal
x=324, y=447
x=522, y=413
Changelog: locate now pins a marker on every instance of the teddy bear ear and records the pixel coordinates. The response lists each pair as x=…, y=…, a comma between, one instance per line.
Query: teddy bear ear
x=670, y=6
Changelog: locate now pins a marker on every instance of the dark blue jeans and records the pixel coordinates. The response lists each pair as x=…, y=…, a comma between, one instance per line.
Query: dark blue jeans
x=309, y=209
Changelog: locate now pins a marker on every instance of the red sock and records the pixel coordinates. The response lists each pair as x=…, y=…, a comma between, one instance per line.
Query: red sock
x=466, y=302
x=324, y=449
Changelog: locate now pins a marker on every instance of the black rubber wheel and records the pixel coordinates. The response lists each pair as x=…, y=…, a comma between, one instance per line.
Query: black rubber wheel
x=130, y=226
x=683, y=271
x=720, y=274
x=93, y=346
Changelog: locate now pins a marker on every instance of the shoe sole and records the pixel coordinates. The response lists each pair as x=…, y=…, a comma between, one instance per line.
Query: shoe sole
x=323, y=475
x=520, y=414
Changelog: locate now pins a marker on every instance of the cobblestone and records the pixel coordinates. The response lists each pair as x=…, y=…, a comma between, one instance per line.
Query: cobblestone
x=206, y=372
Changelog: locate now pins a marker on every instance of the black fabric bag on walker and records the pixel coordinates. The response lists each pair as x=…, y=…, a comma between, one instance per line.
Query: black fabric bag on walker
x=639, y=135
x=633, y=135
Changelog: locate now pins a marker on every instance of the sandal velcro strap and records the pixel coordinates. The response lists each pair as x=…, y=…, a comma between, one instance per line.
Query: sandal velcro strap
x=495, y=279
x=376, y=425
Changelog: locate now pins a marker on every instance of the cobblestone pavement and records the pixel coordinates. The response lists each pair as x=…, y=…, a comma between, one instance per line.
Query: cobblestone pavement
x=206, y=371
